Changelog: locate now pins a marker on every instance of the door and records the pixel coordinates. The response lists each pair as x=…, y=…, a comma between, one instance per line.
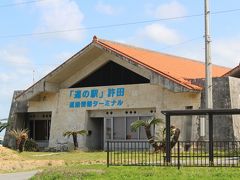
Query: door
x=95, y=138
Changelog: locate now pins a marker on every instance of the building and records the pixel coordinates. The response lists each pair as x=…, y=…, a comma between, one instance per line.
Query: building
x=108, y=85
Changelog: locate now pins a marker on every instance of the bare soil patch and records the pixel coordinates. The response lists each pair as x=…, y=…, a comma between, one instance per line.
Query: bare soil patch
x=11, y=161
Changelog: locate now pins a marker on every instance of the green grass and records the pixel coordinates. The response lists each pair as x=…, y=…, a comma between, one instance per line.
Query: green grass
x=92, y=165
x=77, y=171
x=75, y=156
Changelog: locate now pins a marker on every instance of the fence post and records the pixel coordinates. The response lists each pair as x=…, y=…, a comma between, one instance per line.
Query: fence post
x=168, y=147
x=210, y=123
x=107, y=153
x=178, y=151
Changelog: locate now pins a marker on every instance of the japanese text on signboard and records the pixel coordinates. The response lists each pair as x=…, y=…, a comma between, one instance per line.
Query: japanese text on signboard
x=88, y=98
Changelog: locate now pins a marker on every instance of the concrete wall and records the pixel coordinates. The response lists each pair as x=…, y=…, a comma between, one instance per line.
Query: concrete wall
x=225, y=95
x=43, y=103
x=234, y=84
x=15, y=119
x=223, y=127
x=141, y=96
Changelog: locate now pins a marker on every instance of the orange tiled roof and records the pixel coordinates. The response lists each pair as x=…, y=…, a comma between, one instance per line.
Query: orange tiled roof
x=177, y=68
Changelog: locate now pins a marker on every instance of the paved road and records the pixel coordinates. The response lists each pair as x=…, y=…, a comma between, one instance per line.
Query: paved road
x=18, y=175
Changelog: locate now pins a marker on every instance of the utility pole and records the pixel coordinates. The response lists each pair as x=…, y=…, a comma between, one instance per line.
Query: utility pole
x=208, y=63
x=208, y=79
x=208, y=69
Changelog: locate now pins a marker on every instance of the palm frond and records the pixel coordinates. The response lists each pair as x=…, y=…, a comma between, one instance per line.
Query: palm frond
x=18, y=133
x=136, y=124
x=70, y=133
x=82, y=132
x=3, y=126
x=154, y=121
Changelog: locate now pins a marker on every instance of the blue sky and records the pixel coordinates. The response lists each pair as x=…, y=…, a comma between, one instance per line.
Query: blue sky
x=25, y=57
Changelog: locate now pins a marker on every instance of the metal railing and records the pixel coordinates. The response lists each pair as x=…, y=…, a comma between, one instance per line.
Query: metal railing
x=184, y=153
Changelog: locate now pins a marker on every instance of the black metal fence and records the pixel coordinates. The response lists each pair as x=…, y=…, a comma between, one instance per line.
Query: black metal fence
x=184, y=153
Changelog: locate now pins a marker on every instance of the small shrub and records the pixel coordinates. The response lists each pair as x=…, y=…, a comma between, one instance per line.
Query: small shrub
x=31, y=145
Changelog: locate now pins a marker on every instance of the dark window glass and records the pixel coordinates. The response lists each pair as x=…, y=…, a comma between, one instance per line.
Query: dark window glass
x=119, y=128
x=41, y=131
x=108, y=128
x=131, y=134
x=31, y=129
x=111, y=74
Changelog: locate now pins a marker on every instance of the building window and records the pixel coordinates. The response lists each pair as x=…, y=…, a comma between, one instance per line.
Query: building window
x=131, y=134
x=39, y=124
x=119, y=128
x=108, y=129
x=39, y=129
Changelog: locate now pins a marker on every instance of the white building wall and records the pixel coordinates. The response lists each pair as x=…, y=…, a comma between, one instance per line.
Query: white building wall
x=140, y=96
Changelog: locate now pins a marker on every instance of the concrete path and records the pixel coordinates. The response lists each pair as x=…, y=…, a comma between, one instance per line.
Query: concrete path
x=18, y=175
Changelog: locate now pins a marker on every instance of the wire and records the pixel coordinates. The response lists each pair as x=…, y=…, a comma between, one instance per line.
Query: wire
x=181, y=43
x=226, y=11
x=20, y=3
x=112, y=25
x=43, y=64
x=96, y=27
x=28, y=63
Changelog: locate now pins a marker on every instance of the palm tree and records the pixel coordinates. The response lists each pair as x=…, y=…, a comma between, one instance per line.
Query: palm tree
x=147, y=126
x=74, y=135
x=21, y=135
x=175, y=132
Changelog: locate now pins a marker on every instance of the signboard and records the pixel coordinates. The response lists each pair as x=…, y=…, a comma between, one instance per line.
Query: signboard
x=96, y=97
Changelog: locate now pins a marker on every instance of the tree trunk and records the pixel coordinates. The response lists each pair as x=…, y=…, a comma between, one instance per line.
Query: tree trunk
x=161, y=147
x=175, y=138
x=173, y=141
x=17, y=143
x=151, y=139
x=21, y=145
x=75, y=141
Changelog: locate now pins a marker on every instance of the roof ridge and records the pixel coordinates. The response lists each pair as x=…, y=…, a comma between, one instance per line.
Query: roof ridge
x=176, y=78
x=95, y=38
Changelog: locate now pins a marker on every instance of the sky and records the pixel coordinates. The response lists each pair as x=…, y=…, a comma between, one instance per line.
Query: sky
x=38, y=35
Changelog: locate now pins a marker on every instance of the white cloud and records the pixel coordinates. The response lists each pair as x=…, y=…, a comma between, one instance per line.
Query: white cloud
x=14, y=56
x=226, y=51
x=168, y=10
x=106, y=8
x=15, y=67
x=4, y=77
x=61, y=15
x=160, y=33
x=15, y=73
